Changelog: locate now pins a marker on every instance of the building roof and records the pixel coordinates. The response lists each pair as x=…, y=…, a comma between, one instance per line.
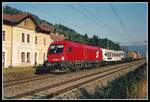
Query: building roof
x=46, y=27
x=7, y=17
x=57, y=37
x=17, y=18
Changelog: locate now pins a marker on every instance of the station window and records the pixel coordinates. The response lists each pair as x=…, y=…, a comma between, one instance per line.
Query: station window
x=23, y=57
x=28, y=57
x=3, y=59
x=28, y=38
x=44, y=41
x=23, y=37
x=26, y=22
x=4, y=35
x=36, y=40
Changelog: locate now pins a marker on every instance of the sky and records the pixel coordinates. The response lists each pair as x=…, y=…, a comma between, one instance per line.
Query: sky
x=123, y=23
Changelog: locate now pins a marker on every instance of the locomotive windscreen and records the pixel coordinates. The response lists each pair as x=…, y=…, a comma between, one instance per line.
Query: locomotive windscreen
x=55, y=49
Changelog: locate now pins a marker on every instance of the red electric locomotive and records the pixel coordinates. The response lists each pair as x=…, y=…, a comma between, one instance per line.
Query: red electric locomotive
x=65, y=56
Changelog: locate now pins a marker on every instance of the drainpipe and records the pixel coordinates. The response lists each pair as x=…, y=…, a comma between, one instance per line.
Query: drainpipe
x=11, y=45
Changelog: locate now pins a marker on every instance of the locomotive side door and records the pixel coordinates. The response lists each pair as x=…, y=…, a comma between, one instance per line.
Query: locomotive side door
x=85, y=54
x=69, y=54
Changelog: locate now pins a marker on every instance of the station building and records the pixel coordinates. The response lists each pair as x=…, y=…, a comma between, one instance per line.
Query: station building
x=24, y=41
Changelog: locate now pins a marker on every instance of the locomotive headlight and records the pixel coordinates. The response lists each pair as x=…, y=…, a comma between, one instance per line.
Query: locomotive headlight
x=62, y=58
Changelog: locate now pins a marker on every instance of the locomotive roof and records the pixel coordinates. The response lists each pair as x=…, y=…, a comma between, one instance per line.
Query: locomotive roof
x=75, y=43
x=72, y=42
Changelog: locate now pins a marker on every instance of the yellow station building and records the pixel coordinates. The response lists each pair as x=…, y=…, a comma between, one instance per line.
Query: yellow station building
x=24, y=41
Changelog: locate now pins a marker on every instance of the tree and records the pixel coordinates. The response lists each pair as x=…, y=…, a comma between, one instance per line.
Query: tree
x=86, y=36
x=71, y=34
x=10, y=10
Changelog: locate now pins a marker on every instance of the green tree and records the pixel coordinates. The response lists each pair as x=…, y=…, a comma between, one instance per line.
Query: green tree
x=69, y=33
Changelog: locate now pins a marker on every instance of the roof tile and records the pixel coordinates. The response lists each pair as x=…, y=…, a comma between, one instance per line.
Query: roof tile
x=19, y=17
x=57, y=37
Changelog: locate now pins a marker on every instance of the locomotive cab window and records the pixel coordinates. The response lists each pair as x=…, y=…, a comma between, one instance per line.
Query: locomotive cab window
x=56, y=49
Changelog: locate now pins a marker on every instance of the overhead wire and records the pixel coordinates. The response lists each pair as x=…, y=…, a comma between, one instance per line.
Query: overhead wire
x=120, y=21
x=85, y=15
x=56, y=17
x=96, y=18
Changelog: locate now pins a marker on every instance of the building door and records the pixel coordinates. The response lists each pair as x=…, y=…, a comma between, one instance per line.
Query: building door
x=35, y=59
x=3, y=59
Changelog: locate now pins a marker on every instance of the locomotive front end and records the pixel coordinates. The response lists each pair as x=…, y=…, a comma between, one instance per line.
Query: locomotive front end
x=56, y=58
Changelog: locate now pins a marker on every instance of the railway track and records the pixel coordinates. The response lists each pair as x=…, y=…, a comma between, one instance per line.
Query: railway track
x=58, y=88
x=8, y=81
x=29, y=79
x=34, y=78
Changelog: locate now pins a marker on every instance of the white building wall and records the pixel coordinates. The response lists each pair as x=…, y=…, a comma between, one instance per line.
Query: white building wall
x=19, y=47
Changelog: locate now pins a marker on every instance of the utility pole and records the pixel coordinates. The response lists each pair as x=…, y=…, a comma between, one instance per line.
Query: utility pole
x=107, y=43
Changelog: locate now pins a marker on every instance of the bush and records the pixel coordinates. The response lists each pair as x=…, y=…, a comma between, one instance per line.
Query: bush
x=125, y=87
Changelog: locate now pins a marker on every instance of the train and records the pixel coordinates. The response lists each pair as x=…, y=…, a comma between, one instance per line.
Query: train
x=65, y=56
x=132, y=55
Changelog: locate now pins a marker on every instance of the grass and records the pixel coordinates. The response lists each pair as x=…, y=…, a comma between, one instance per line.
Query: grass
x=18, y=69
x=17, y=73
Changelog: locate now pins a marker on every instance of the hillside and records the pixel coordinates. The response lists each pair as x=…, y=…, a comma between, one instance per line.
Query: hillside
x=69, y=33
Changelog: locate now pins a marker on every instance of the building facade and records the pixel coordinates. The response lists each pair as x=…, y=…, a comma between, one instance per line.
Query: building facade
x=24, y=41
